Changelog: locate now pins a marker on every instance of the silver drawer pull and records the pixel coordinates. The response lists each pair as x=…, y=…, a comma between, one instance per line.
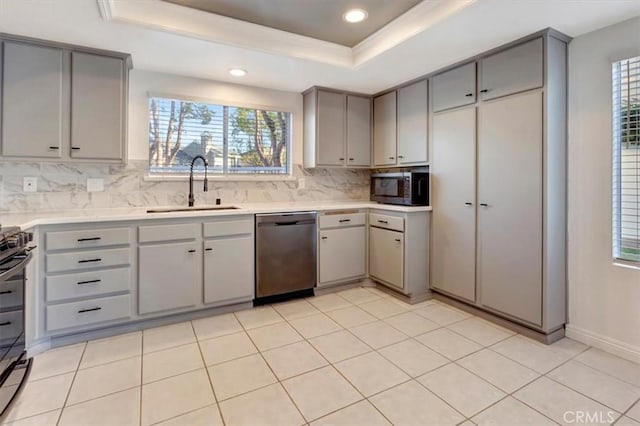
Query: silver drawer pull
x=88, y=282
x=80, y=240
x=344, y=220
x=82, y=311
x=6, y=292
x=90, y=260
x=2, y=324
x=382, y=221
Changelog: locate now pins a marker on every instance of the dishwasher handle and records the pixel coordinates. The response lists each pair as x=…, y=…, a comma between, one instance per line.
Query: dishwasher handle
x=291, y=222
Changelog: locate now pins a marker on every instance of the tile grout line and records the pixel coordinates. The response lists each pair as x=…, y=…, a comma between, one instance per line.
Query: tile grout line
x=141, y=376
x=64, y=404
x=206, y=369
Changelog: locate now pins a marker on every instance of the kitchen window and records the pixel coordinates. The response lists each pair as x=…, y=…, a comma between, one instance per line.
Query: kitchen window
x=234, y=140
x=626, y=159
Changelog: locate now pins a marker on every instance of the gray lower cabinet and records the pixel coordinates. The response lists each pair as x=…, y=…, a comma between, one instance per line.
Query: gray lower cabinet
x=80, y=107
x=87, y=277
x=33, y=91
x=98, y=96
x=229, y=261
x=169, y=276
x=399, y=251
x=341, y=248
x=453, y=248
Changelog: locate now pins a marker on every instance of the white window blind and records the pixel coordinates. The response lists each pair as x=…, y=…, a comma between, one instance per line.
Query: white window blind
x=233, y=139
x=626, y=159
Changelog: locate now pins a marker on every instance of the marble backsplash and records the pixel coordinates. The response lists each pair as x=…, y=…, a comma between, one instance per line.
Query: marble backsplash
x=63, y=186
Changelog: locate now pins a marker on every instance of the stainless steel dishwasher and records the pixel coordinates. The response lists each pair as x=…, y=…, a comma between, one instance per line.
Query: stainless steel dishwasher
x=285, y=253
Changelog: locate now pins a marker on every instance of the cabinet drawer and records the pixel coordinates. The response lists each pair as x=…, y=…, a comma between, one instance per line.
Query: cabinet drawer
x=86, y=312
x=85, y=284
x=182, y=231
x=388, y=222
x=338, y=220
x=11, y=294
x=228, y=227
x=11, y=326
x=87, y=259
x=88, y=238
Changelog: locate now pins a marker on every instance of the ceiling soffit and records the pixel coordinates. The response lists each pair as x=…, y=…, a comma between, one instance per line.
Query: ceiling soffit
x=207, y=26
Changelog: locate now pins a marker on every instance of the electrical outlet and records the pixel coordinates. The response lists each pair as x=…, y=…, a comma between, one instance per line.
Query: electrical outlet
x=95, y=185
x=30, y=184
x=302, y=183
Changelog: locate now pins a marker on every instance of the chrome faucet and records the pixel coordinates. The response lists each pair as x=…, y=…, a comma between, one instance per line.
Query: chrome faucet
x=206, y=186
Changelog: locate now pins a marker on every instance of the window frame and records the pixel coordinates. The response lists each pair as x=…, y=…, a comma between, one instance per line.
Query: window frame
x=198, y=171
x=617, y=182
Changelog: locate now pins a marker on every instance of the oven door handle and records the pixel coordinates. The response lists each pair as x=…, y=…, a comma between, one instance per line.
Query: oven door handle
x=20, y=265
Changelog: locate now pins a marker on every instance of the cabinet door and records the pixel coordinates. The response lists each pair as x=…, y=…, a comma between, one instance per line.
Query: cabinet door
x=412, y=123
x=510, y=214
x=384, y=130
x=386, y=256
x=454, y=88
x=453, y=192
x=331, y=118
x=169, y=276
x=32, y=101
x=97, y=103
x=342, y=254
x=358, y=131
x=513, y=70
x=228, y=270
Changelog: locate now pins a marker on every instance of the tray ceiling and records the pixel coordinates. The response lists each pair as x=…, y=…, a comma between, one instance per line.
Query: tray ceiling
x=319, y=19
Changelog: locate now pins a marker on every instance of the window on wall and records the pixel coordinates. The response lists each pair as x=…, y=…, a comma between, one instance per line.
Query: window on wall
x=234, y=140
x=626, y=159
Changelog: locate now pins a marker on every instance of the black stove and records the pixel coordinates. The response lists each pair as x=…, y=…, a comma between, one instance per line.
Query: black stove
x=14, y=363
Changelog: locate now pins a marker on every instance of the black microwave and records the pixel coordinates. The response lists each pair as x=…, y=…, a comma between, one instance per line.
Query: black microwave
x=410, y=188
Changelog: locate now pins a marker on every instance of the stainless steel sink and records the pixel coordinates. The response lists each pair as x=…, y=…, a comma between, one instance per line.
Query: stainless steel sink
x=191, y=209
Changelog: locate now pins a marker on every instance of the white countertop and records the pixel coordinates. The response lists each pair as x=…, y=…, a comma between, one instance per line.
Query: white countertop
x=31, y=219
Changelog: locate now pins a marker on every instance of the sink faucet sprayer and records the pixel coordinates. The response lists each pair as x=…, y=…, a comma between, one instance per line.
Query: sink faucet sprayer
x=206, y=188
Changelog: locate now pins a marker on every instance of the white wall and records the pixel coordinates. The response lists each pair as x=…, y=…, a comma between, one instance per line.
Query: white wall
x=144, y=82
x=604, y=298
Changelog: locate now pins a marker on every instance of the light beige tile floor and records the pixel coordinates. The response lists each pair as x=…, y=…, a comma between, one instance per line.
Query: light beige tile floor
x=356, y=357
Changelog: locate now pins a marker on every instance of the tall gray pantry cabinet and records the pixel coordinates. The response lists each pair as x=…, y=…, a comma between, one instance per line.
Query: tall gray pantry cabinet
x=498, y=165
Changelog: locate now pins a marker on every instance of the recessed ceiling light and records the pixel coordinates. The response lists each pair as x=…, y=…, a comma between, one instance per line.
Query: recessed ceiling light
x=237, y=72
x=355, y=15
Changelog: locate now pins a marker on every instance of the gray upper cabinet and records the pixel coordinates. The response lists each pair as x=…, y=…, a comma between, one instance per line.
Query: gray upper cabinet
x=358, y=131
x=77, y=96
x=412, y=123
x=337, y=129
x=454, y=88
x=331, y=128
x=97, y=106
x=384, y=129
x=32, y=92
x=513, y=70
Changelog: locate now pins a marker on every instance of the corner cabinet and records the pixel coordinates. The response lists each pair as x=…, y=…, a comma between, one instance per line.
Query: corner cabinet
x=337, y=129
x=399, y=251
x=499, y=186
x=400, y=120
x=82, y=102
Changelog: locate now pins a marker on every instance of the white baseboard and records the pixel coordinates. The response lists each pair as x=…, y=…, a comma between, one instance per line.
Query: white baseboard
x=616, y=347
